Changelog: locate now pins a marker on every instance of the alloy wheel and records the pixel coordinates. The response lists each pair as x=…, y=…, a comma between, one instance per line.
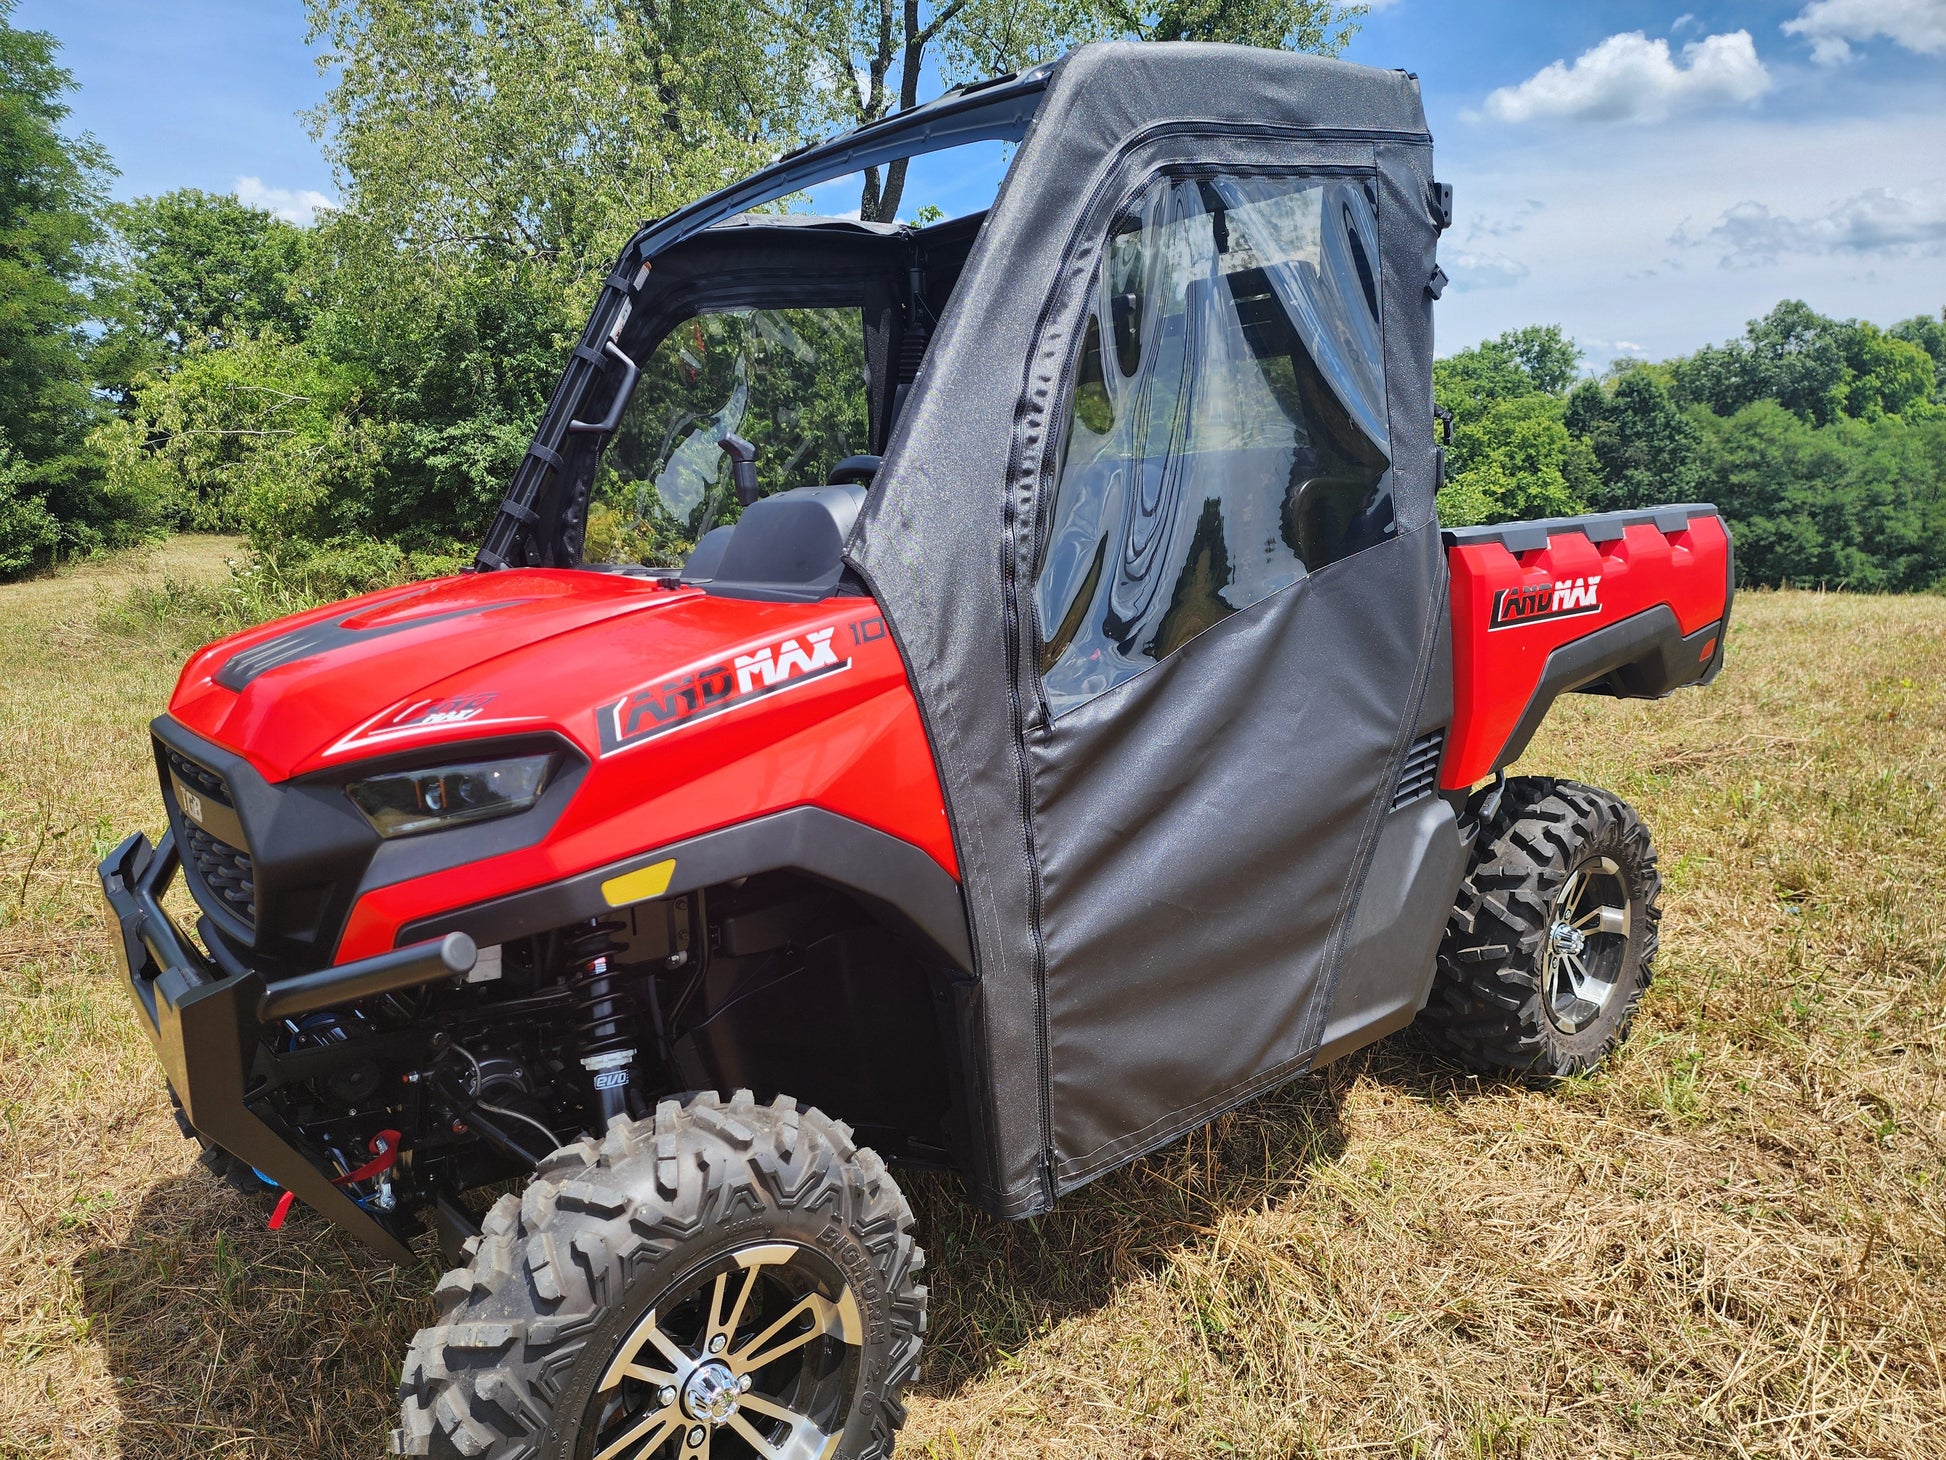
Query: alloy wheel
x=755, y=1354
x=1586, y=943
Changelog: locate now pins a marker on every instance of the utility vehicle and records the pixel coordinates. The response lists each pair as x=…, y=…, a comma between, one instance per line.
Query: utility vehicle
x=1070, y=723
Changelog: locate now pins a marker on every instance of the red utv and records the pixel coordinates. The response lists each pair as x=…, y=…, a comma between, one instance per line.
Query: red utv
x=1070, y=722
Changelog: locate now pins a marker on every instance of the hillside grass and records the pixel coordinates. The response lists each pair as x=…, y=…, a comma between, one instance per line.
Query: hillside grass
x=1732, y=1242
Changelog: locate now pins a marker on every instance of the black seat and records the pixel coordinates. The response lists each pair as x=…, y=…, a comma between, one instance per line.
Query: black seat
x=854, y=469
x=789, y=548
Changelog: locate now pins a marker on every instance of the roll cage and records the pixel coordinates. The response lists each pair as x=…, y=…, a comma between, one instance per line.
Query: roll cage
x=541, y=520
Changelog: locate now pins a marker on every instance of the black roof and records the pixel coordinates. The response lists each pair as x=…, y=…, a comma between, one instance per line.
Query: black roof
x=1148, y=83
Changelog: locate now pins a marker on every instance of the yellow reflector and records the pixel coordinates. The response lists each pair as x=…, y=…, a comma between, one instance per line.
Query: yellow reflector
x=639, y=885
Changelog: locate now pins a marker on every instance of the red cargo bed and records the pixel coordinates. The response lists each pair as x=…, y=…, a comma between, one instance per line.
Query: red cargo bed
x=1631, y=604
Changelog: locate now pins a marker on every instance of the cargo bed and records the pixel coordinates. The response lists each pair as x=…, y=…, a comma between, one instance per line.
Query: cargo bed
x=1630, y=604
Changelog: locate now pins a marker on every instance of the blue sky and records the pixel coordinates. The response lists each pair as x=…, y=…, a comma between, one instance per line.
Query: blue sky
x=1648, y=175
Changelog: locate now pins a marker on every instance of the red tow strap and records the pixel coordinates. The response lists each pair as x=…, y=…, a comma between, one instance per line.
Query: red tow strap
x=385, y=1146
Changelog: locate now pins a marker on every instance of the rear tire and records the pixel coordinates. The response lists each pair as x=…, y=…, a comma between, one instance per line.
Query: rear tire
x=649, y=1295
x=1553, y=936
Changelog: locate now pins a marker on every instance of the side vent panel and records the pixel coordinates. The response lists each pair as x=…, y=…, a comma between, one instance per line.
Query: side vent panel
x=1420, y=778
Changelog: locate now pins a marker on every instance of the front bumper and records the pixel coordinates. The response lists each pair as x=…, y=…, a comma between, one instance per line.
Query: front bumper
x=205, y=1023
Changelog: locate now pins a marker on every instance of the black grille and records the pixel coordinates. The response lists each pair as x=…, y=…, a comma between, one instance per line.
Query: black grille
x=202, y=782
x=224, y=870
x=1420, y=778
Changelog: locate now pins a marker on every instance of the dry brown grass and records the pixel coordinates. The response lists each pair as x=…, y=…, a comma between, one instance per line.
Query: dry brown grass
x=1732, y=1243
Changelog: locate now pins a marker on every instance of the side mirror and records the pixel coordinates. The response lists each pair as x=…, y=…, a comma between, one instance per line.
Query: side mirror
x=1445, y=419
x=743, y=467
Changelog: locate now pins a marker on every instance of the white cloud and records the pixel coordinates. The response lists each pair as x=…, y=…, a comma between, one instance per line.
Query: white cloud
x=293, y=205
x=1598, y=256
x=1501, y=225
x=1629, y=77
x=1878, y=221
x=1832, y=25
x=1471, y=270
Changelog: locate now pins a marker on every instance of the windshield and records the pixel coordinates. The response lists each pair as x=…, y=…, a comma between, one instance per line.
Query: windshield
x=789, y=381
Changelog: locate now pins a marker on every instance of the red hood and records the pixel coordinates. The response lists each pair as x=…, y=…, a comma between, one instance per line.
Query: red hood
x=423, y=664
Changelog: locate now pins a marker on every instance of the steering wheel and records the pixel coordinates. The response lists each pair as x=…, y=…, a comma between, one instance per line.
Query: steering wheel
x=860, y=469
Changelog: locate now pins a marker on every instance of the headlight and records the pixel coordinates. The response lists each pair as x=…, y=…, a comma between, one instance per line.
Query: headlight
x=403, y=802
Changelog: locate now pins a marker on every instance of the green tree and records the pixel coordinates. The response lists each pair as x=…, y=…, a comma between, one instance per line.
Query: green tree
x=1928, y=334
x=492, y=156
x=1288, y=25
x=28, y=532
x=1884, y=375
x=51, y=193
x=529, y=137
x=1793, y=355
x=1520, y=362
x=195, y=267
x=1855, y=504
x=1513, y=454
x=52, y=186
x=866, y=59
x=258, y=433
x=1544, y=354
x=1818, y=368
x=1646, y=448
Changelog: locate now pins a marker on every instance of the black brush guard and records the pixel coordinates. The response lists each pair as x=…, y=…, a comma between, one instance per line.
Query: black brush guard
x=206, y=1025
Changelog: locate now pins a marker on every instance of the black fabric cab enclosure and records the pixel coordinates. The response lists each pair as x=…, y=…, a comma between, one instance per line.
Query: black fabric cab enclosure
x=1154, y=533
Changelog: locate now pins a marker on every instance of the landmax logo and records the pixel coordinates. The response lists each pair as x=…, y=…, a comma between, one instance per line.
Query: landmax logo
x=683, y=699
x=1565, y=598
x=423, y=716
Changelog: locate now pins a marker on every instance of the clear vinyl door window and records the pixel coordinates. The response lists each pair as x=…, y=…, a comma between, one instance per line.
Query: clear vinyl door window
x=1226, y=431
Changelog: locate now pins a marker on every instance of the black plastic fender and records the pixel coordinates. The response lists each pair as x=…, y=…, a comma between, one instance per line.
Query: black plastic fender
x=889, y=875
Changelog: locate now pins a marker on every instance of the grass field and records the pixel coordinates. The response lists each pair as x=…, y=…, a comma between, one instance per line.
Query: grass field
x=1733, y=1242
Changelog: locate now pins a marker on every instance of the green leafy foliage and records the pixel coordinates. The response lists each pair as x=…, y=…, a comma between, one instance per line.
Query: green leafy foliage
x=853, y=63
x=260, y=433
x=52, y=191
x=1823, y=441
x=1646, y=449
x=355, y=395
x=1512, y=454
x=1855, y=504
x=28, y=531
x=1817, y=368
x=192, y=270
x=51, y=196
x=1930, y=336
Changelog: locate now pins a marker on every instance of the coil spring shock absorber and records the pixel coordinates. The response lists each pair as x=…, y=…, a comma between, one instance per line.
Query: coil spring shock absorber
x=601, y=1016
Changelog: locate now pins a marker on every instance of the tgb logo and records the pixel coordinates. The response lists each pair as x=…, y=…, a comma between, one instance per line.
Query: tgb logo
x=1564, y=598
x=667, y=705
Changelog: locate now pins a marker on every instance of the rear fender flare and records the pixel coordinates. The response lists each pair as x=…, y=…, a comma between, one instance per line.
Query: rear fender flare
x=1644, y=656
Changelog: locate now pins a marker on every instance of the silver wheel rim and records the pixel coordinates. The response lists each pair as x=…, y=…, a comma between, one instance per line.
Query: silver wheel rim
x=754, y=1354
x=1585, y=945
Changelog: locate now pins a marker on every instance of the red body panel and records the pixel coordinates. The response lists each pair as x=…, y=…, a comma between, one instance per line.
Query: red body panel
x=696, y=740
x=1506, y=620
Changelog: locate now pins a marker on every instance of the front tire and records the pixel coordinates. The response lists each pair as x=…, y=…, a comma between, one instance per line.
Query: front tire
x=1553, y=936
x=725, y=1279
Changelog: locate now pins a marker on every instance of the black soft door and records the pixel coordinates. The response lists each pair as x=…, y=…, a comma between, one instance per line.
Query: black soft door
x=1228, y=631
